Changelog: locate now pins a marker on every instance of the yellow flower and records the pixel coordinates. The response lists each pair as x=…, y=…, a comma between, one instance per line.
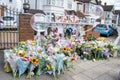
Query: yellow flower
x=23, y=42
x=34, y=60
x=22, y=53
x=68, y=49
x=48, y=66
x=101, y=39
x=39, y=51
x=99, y=49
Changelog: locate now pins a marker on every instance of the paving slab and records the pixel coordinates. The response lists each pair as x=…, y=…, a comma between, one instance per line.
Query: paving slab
x=92, y=74
x=81, y=76
x=105, y=77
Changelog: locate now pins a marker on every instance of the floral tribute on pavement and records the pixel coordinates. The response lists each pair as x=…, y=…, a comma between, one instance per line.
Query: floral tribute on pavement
x=53, y=55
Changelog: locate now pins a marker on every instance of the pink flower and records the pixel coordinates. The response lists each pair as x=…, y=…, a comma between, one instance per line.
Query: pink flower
x=31, y=55
x=69, y=45
x=25, y=58
x=50, y=52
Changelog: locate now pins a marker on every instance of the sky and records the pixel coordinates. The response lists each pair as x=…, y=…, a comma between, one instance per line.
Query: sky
x=116, y=3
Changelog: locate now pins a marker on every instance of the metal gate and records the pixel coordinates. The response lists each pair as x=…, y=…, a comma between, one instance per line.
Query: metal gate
x=9, y=28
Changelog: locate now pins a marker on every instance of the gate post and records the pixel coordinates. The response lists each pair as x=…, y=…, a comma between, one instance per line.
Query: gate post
x=25, y=30
x=2, y=10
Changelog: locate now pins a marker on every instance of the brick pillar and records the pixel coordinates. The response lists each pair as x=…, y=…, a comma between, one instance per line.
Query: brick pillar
x=2, y=10
x=25, y=30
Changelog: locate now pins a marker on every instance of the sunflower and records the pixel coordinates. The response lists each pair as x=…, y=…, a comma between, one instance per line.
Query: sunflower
x=34, y=60
x=68, y=49
x=64, y=49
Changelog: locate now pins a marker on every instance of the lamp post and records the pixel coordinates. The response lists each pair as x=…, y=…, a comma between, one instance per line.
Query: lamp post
x=26, y=6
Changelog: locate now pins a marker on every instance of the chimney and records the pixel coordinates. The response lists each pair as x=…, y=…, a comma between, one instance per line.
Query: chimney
x=99, y=2
x=105, y=4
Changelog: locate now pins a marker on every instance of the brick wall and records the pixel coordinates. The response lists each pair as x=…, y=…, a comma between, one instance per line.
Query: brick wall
x=2, y=10
x=25, y=29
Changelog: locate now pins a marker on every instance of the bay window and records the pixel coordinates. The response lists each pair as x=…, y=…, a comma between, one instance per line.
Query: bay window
x=55, y=2
x=79, y=6
x=48, y=2
x=69, y=4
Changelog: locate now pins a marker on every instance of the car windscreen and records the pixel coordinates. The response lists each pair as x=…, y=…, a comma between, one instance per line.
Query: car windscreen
x=101, y=26
x=8, y=18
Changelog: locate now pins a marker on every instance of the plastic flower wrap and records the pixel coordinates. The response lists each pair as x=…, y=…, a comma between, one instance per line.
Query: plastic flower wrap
x=13, y=64
x=40, y=66
x=54, y=64
x=7, y=54
x=68, y=62
x=30, y=73
x=60, y=58
x=22, y=65
x=34, y=61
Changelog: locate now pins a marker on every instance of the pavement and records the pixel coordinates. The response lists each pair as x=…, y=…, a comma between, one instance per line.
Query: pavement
x=82, y=70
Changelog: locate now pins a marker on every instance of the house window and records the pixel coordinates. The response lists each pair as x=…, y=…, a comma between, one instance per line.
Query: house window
x=53, y=2
x=48, y=2
x=108, y=16
x=59, y=3
x=10, y=0
x=79, y=7
x=87, y=8
x=69, y=4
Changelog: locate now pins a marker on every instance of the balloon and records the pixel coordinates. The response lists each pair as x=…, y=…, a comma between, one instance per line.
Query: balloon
x=38, y=22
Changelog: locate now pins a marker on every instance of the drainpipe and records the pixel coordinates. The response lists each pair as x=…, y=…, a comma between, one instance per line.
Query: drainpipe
x=118, y=30
x=117, y=20
x=35, y=4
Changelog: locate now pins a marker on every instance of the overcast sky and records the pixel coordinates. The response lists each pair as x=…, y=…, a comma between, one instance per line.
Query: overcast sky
x=116, y=3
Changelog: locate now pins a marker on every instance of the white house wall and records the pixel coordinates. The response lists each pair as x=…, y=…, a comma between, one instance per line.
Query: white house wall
x=54, y=9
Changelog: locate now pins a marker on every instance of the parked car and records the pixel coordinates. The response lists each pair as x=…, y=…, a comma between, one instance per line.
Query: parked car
x=103, y=29
x=8, y=22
